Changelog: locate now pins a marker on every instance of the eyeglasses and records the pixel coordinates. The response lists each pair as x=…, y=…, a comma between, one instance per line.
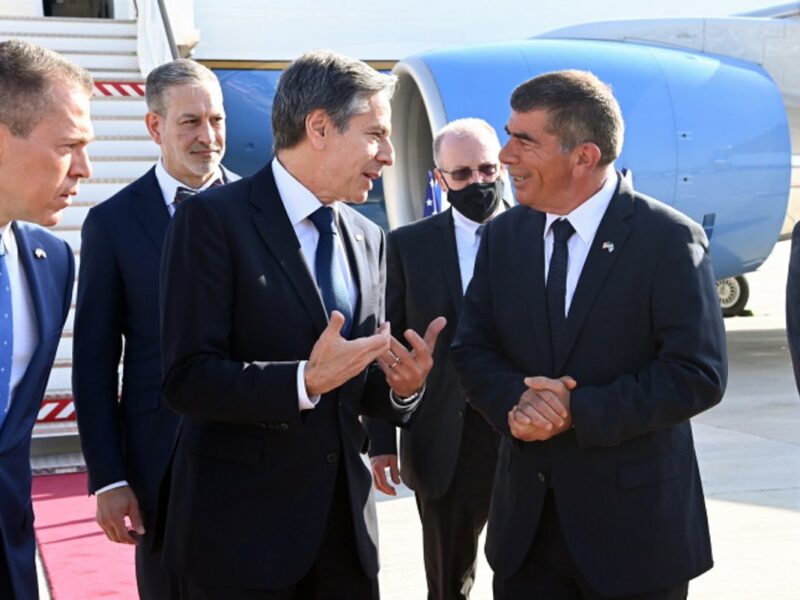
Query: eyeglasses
x=464, y=173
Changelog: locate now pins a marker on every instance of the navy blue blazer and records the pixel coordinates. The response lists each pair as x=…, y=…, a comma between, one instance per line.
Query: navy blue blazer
x=644, y=340
x=125, y=436
x=252, y=476
x=50, y=276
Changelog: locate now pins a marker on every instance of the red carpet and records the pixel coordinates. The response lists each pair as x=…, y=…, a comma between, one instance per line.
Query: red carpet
x=81, y=563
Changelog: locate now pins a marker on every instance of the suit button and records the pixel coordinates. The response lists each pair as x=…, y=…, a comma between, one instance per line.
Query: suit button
x=460, y=414
x=331, y=458
x=542, y=477
x=284, y=426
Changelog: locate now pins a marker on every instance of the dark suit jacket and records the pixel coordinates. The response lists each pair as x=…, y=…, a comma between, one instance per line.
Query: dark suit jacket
x=793, y=304
x=644, y=340
x=253, y=477
x=125, y=436
x=424, y=282
x=50, y=279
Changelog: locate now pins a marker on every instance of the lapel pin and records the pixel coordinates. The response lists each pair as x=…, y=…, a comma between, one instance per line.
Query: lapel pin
x=359, y=237
x=608, y=247
x=40, y=253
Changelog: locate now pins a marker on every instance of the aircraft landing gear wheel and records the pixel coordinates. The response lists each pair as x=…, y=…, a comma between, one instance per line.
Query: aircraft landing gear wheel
x=733, y=293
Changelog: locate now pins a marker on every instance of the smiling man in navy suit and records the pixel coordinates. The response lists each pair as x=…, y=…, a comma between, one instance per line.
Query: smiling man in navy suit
x=44, y=131
x=590, y=357
x=127, y=438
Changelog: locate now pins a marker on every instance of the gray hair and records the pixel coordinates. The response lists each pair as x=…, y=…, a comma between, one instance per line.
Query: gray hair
x=28, y=74
x=580, y=107
x=461, y=128
x=321, y=79
x=182, y=71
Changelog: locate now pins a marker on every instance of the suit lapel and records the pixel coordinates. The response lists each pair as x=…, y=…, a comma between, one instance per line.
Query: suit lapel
x=275, y=228
x=533, y=284
x=354, y=243
x=150, y=209
x=599, y=262
x=446, y=251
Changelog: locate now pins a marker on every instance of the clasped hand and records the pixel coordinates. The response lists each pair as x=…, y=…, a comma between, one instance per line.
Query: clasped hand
x=543, y=410
x=335, y=360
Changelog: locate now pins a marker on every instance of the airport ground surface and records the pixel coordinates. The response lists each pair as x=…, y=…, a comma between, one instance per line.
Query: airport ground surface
x=749, y=453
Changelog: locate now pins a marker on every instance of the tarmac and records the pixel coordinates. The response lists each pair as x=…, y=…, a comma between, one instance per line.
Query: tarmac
x=749, y=452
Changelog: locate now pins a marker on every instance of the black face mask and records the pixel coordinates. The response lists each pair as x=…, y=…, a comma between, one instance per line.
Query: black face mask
x=477, y=201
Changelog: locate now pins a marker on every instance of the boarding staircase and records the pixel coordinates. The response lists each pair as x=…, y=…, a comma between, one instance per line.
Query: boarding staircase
x=121, y=152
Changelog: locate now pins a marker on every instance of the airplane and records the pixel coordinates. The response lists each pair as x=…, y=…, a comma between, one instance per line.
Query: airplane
x=711, y=106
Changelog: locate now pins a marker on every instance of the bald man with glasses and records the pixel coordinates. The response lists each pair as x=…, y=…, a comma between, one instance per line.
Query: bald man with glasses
x=448, y=456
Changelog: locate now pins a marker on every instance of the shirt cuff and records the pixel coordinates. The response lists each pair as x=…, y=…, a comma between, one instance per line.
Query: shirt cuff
x=111, y=486
x=407, y=404
x=304, y=401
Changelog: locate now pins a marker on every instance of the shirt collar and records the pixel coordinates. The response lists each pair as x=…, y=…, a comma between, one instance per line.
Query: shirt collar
x=585, y=219
x=169, y=185
x=298, y=200
x=468, y=225
x=8, y=239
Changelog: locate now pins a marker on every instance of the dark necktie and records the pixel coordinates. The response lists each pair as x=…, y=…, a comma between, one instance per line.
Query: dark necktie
x=6, y=337
x=479, y=233
x=557, y=281
x=182, y=193
x=330, y=278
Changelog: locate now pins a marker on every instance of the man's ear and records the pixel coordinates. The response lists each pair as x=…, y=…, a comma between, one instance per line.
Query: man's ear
x=586, y=157
x=437, y=174
x=318, y=128
x=154, y=123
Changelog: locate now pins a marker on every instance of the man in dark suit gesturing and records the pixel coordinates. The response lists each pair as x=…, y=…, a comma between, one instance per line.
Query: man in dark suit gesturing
x=590, y=356
x=272, y=316
x=44, y=130
x=127, y=438
x=448, y=456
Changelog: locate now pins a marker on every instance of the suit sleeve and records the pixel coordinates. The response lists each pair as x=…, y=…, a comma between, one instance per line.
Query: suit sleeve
x=491, y=382
x=201, y=378
x=793, y=304
x=97, y=347
x=689, y=370
x=383, y=435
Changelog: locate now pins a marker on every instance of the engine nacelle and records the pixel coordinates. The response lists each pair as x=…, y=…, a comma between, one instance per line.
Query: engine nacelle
x=706, y=134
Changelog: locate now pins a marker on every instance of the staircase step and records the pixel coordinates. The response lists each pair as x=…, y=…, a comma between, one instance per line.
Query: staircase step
x=104, y=61
x=69, y=43
x=105, y=74
x=118, y=126
x=134, y=168
x=125, y=146
x=118, y=106
x=39, y=25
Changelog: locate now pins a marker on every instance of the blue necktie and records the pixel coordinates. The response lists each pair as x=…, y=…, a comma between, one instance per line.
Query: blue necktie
x=330, y=278
x=6, y=337
x=557, y=281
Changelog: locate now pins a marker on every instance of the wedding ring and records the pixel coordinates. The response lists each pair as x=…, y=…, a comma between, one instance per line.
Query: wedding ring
x=395, y=363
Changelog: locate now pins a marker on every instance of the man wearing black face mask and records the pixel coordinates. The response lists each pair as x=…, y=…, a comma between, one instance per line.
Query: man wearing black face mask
x=448, y=456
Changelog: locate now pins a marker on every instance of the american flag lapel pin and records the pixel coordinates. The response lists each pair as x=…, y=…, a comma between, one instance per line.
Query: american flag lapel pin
x=608, y=247
x=39, y=253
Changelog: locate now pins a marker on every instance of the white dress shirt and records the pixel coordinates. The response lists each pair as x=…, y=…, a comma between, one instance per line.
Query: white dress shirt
x=467, y=243
x=25, y=330
x=299, y=203
x=169, y=185
x=585, y=220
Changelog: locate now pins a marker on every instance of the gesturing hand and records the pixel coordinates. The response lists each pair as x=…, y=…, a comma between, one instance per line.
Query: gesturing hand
x=406, y=370
x=334, y=359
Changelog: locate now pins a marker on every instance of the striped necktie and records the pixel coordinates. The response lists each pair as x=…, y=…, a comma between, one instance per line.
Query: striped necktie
x=6, y=337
